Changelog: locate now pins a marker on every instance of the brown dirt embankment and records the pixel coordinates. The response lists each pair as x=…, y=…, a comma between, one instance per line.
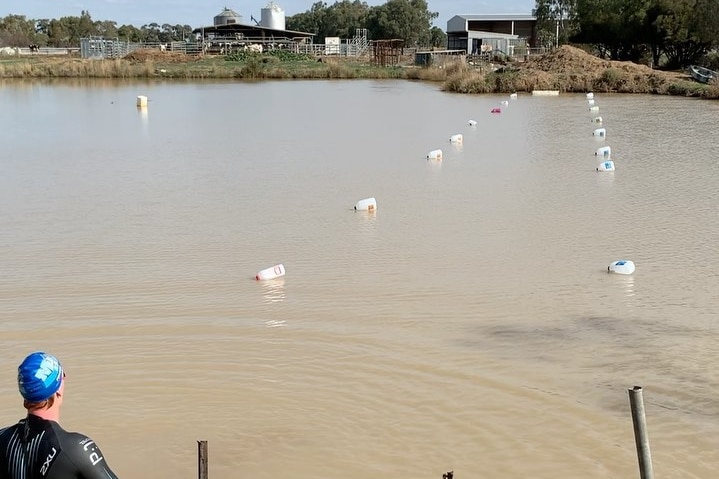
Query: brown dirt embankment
x=570, y=69
x=576, y=64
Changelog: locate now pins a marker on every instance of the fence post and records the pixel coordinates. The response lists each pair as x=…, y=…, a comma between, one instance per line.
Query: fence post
x=202, y=459
x=640, y=433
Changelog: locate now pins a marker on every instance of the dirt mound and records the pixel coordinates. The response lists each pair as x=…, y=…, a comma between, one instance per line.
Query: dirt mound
x=571, y=69
x=155, y=55
x=567, y=59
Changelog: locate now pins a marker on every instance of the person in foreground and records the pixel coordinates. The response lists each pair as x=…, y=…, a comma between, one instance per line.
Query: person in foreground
x=37, y=447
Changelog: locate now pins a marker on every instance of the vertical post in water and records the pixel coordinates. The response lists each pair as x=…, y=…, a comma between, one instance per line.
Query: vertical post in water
x=202, y=459
x=640, y=433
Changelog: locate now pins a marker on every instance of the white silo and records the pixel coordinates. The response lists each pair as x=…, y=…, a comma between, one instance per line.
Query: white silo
x=272, y=16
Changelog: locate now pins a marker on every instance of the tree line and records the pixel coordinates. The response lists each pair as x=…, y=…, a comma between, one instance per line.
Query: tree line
x=669, y=33
x=409, y=20
x=19, y=31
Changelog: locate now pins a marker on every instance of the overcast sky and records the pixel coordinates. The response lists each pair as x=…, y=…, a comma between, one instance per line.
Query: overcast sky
x=197, y=13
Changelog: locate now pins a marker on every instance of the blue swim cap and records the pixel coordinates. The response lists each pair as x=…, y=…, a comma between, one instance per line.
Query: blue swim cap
x=39, y=376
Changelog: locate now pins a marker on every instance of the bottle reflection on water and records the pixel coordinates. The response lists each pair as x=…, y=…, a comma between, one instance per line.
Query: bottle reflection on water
x=625, y=284
x=629, y=285
x=144, y=119
x=605, y=179
x=273, y=290
x=458, y=147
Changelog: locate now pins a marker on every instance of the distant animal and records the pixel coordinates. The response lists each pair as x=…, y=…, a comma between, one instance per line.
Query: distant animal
x=253, y=48
x=34, y=48
x=448, y=475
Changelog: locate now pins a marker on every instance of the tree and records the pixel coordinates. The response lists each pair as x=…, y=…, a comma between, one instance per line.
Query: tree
x=67, y=31
x=346, y=17
x=437, y=37
x=339, y=20
x=58, y=35
x=409, y=20
x=129, y=33
x=556, y=21
x=311, y=21
x=106, y=29
x=42, y=32
x=17, y=31
x=681, y=30
x=688, y=29
x=613, y=26
x=597, y=24
x=151, y=33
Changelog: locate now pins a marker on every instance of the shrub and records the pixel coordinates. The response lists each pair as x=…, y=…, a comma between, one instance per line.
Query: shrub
x=338, y=70
x=454, y=66
x=611, y=79
x=252, y=67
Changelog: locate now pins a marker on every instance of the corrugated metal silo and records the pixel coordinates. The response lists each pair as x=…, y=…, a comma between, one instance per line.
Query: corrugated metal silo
x=227, y=17
x=273, y=17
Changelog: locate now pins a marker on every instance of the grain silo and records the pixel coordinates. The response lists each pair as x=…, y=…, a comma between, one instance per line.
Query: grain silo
x=273, y=17
x=227, y=17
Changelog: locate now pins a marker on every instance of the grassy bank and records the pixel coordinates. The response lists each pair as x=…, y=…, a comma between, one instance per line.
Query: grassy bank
x=566, y=69
x=182, y=67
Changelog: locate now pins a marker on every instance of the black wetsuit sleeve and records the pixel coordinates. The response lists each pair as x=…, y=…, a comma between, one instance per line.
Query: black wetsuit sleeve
x=87, y=458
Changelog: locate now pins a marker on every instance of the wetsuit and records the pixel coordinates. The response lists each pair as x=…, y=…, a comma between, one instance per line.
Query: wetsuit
x=36, y=448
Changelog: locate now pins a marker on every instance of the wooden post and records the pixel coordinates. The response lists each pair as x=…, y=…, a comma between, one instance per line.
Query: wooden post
x=202, y=459
x=640, y=433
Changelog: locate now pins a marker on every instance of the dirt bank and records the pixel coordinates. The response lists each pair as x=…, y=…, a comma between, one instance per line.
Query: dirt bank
x=572, y=61
x=570, y=69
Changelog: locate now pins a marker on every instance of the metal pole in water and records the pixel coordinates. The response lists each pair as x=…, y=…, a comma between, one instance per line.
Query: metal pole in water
x=640, y=433
x=202, y=459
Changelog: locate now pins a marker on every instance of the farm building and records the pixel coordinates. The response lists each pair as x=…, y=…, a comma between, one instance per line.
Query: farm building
x=230, y=32
x=500, y=33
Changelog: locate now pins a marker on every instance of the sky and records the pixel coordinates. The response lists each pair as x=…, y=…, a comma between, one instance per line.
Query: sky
x=197, y=13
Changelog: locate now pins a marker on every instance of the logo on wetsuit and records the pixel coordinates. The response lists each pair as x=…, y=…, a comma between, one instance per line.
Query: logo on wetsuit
x=93, y=456
x=48, y=462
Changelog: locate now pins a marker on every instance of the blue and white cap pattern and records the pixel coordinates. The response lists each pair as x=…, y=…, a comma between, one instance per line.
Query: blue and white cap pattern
x=39, y=376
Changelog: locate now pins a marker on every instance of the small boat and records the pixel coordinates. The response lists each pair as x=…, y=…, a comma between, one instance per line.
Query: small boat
x=701, y=74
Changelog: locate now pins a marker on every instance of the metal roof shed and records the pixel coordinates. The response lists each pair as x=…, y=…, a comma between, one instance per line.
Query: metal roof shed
x=519, y=25
x=248, y=31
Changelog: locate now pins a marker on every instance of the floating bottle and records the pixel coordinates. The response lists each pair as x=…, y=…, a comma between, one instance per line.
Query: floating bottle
x=271, y=273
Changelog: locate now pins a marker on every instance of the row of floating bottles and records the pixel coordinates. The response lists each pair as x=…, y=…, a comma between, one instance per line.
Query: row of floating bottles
x=622, y=266
x=370, y=204
x=458, y=138
x=600, y=133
